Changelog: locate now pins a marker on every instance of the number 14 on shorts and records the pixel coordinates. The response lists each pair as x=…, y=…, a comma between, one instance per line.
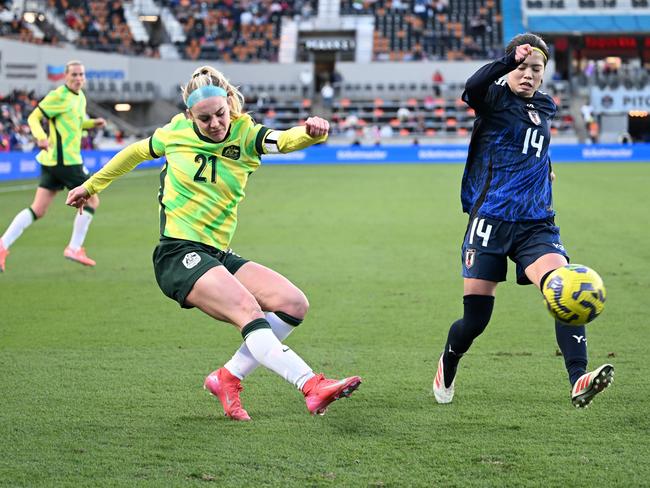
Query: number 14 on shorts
x=481, y=231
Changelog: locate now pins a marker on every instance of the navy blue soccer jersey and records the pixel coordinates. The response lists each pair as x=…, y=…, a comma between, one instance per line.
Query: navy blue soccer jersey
x=507, y=174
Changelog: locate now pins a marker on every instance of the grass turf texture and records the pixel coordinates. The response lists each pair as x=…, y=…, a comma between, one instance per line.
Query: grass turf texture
x=102, y=375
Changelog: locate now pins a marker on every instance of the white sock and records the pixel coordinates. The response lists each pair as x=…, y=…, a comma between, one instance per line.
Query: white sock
x=272, y=354
x=20, y=222
x=243, y=363
x=80, y=229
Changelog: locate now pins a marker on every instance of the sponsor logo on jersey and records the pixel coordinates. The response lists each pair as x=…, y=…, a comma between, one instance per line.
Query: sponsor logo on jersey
x=191, y=259
x=534, y=116
x=470, y=256
x=231, y=152
x=559, y=246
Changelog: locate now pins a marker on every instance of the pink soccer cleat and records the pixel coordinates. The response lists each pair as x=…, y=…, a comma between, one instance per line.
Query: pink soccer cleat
x=3, y=257
x=590, y=384
x=79, y=256
x=226, y=387
x=320, y=392
x=440, y=391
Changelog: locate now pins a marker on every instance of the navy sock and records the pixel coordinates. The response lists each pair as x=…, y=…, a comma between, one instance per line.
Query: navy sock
x=573, y=344
x=477, y=310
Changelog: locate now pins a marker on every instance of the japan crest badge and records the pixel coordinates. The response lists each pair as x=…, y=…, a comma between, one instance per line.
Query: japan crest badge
x=534, y=117
x=470, y=255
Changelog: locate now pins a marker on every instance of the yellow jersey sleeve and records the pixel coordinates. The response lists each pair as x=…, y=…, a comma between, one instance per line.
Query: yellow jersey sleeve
x=297, y=138
x=123, y=162
x=289, y=140
x=34, y=122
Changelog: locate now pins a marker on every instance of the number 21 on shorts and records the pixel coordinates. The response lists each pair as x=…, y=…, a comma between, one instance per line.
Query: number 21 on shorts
x=480, y=230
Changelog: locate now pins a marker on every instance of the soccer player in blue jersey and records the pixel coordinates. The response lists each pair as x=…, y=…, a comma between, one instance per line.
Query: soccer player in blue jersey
x=506, y=190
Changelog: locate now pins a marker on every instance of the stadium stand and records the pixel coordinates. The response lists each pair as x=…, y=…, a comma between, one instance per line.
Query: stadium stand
x=419, y=116
x=387, y=114
x=101, y=26
x=420, y=29
x=250, y=31
x=238, y=31
x=15, y=107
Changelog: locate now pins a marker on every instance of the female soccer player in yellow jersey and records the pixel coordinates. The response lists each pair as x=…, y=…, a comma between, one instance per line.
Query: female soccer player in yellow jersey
x=210, y=153
x=60, y=160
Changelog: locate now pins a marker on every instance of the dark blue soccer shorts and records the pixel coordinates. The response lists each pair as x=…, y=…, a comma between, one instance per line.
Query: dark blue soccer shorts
x=489, y=242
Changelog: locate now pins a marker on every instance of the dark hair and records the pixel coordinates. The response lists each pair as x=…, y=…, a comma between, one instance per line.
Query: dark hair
x=528, y=38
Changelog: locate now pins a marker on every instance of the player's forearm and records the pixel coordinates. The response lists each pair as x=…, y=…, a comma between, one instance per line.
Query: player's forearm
x=123, y=162
x=34, y=122
x=478, y=84
x=295, y=139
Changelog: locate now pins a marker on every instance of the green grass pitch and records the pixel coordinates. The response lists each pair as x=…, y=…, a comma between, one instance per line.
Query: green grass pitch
x=101, y=375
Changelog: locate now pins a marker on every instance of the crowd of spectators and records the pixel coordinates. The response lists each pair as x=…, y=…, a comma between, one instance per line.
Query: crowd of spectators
x=13, y=26
x=249, y=30
x=611, y=74
x=101, y=26
x=15, y=107
x=229, y=30
x=413, y=30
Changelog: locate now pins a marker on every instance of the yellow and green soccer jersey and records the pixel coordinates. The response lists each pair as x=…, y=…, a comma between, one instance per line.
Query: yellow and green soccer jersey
x=203, y=181
x=66, y=111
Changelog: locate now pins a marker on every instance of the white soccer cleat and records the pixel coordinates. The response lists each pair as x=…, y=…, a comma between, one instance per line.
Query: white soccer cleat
x=590, y=384
x=442, y=394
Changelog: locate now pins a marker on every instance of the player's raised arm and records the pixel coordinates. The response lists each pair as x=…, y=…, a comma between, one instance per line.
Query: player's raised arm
x=123, y=162
x=313, y=132
x=477, y=85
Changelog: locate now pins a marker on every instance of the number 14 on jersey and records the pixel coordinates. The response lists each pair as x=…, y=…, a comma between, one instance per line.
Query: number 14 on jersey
x=533, y=139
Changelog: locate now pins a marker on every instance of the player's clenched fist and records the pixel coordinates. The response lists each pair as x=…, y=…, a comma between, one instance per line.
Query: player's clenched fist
x=77, y=197
x=317, y=127
x=522, y=52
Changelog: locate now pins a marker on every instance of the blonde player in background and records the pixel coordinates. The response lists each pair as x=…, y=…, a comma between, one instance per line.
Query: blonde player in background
x=60, y=159
x=210, y=154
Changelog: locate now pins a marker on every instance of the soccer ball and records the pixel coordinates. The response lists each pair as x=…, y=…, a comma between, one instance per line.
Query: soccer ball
x=574, y=294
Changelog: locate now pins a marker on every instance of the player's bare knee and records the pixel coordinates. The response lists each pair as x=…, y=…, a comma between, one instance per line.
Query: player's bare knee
x=296, y=305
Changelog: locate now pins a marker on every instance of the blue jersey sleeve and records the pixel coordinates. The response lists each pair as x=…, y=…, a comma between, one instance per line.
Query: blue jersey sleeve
x=479, y=92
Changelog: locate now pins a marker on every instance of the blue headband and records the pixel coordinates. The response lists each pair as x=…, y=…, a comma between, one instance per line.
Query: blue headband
x=204, y=92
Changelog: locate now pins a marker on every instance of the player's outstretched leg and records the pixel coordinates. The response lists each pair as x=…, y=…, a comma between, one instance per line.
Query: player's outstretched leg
x=477, y=310
x=226, y=387
x=74, y=251
x=590, y=384
x=442, y=392
x=320, y=392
